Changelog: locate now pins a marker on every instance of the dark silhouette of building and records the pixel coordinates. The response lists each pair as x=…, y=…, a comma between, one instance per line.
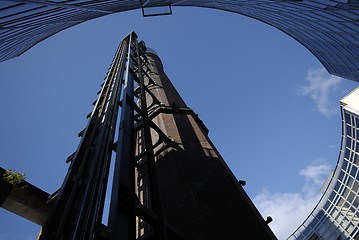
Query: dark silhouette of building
x=169, y=181
x=329, y=29
x=200, y=195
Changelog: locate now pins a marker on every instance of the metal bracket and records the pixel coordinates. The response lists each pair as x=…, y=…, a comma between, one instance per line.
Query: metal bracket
x=151, y=9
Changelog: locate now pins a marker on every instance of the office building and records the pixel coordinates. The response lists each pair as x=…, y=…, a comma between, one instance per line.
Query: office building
x=336, y=216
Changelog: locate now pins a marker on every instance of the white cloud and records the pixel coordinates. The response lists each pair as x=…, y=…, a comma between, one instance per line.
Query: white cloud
x=321, y=86
x=314, y=176
x=290, y=209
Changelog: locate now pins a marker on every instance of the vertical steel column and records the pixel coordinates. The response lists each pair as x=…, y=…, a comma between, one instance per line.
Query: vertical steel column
x=153, y=180
x=77, y=213
x=122, y=218
x=78, y=209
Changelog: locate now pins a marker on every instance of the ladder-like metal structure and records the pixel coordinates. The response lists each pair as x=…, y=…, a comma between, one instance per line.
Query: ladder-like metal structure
x=79, y=203
x=136, y=111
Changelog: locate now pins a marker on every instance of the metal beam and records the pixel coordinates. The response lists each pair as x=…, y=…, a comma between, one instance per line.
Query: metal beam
x=24, y=200
x=121, y=221
x=153, y=180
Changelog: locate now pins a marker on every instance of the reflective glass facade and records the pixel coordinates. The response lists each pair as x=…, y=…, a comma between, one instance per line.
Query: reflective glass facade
x=328, y=28
x=336, y=217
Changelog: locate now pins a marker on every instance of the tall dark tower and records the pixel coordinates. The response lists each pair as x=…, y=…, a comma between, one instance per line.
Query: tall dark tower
x=169, y=181
x=200, y=196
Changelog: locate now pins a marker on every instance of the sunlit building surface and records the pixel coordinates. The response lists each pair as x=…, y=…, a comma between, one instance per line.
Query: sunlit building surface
x=329, y=29
x=336, y=216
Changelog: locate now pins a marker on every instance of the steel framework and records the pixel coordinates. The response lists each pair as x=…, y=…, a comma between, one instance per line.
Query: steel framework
x=78, y=210
x=124, y=127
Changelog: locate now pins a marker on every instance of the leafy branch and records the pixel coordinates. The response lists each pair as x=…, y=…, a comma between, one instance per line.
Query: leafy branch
x=14, y=177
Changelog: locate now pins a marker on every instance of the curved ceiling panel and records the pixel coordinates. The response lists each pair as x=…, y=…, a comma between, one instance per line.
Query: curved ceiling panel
x=327, y=28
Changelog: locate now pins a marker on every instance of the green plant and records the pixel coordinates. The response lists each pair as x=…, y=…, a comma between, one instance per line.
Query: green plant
x=14, y=177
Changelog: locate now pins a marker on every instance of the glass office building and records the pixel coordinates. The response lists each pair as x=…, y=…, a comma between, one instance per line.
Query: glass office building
x=327, y=28
x=336, y=217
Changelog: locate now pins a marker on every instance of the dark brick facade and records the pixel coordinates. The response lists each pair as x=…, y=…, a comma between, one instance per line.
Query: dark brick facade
x=200, y=196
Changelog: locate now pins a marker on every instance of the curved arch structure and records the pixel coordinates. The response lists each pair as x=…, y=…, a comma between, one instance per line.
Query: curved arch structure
x=337, y=214
x=327, y=28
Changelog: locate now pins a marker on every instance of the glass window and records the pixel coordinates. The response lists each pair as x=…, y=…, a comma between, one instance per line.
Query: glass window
x=351, y=197
x=355, y=186
x=314, y=223
x=347, y=118
x=314, y=236
x=306, y=231
x=320, y=214
x=352, y=209
x=345, y=194
x=345, y=180
x=353, y=171
x=5, y=4
x=19, y=13
x=316, y=5
x=331, y=198
x=350, y=38
x=354, y=233
x=350, y=182
x=344, y=165
x=347, y=154
x=350, y=27
x=337, y=185
x=326, y=206
x=345, y=207
x=349, y=130
x=341, y=175
x=349, y=14
x=348, y=142
x=300, y=237
x=356, y=202
x=345, y=222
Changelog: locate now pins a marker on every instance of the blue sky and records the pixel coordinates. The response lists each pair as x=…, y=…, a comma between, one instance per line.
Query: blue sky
x=272, y=111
